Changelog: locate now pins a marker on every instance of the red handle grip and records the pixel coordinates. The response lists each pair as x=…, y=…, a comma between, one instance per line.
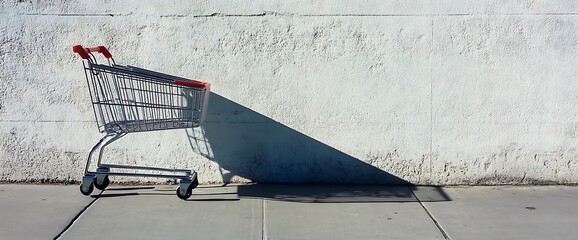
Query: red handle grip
x=83, y=52
x=193, y=83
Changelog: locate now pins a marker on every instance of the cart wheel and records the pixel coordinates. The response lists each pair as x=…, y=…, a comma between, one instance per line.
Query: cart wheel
x=187, y=194
x=87, y=190
x=104, y=184
x=194, y=184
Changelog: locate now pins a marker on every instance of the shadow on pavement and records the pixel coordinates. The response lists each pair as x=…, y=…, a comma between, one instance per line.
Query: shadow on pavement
x=128, y=188
x=340, y=193
x=304, y=193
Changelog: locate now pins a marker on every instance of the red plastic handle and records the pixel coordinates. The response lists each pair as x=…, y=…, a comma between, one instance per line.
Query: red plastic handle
x=83, y=52
x=193, y=83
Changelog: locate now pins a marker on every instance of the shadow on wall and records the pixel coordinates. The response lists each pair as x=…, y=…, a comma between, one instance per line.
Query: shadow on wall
x=249, y=145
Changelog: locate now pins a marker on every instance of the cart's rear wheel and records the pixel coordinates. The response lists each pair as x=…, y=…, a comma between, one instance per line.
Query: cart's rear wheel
x=103, y=185
x=186, y=195
x=86, y=190
x=194, y=184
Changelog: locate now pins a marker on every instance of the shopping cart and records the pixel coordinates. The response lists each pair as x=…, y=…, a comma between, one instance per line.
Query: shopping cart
x=128, y=99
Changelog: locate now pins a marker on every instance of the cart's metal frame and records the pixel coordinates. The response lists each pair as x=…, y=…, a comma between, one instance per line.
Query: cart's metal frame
x=128, y=99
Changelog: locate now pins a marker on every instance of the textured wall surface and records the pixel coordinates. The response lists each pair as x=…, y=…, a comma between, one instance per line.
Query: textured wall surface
x=425, y=92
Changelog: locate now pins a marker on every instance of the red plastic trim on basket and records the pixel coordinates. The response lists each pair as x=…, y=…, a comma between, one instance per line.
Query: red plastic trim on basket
x=104, y=51
x=81, y=51
x=193, y=83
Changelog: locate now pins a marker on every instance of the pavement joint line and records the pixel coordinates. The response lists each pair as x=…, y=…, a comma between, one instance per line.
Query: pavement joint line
x=264, y=219
x=446, y=236
x=77, y=217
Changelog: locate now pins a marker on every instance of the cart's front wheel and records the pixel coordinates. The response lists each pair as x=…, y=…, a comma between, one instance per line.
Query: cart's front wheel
x=86, y=190
x=102, y=185
x=186, y=195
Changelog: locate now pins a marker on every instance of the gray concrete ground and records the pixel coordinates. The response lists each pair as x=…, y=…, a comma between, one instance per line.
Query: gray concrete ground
x=265, y=211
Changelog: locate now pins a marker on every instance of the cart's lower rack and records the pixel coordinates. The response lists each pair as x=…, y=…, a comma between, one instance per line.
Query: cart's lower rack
x=188, y=180
x=187, y=171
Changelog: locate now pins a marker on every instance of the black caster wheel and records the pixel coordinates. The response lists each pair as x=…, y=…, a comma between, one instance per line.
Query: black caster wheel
x=194, y=184
x=103, y=185
x=186, y=195
x=86, y=191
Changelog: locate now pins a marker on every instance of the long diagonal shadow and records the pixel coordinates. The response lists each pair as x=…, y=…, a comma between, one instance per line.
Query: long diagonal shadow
x=250, y=145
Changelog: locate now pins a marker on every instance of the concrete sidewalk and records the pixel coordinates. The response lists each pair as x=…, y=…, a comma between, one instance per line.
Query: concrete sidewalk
x=266, y=211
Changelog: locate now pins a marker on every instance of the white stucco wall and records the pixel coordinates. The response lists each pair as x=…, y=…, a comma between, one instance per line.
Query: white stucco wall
x=428, y=92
